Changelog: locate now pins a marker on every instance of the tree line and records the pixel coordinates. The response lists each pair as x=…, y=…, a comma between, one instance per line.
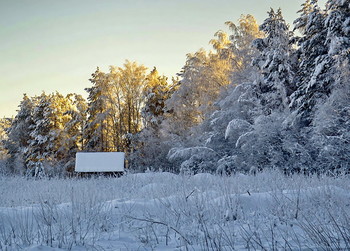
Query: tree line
x=291, y=112
x=50, y=129
x=261, y=98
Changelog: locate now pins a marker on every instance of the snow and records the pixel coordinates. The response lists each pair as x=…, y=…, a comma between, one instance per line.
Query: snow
x=246, y=137
x=179, y=153
x=41, y=247
x=99, y=162
x=318, y=69
x=237, y=127
x=164, y=211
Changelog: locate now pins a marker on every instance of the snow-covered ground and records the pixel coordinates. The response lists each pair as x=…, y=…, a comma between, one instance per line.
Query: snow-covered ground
x=164, y=211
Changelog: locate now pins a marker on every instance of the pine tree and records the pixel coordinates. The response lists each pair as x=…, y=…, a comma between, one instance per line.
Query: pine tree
x=331, y=136
x=258, y=137
x=5, y=124
x=19, y=135
x=311, y=80
x=338, y=29
x=40, y=145
x=157, y=91
x=47, y=144
x=274, y=63
x=99, y=110
x=301, y=23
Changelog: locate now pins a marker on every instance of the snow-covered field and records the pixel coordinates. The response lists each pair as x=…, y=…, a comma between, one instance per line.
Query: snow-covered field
x=164, y=211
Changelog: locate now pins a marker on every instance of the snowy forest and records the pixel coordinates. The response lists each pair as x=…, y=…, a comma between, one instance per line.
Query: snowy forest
x=248, y=148
x=266, y=96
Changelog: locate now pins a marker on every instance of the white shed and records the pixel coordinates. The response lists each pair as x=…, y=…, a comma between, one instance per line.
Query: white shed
x=92, y=162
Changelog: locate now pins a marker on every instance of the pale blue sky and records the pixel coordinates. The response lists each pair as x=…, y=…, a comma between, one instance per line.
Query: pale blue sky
x=49, y=45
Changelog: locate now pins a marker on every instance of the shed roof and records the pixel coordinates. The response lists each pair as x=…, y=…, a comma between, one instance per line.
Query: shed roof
x=99, y=162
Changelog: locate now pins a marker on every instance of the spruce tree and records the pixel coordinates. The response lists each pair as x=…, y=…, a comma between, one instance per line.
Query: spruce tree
x=19, y=135
x=311, y=78
x=260, y=140
x=338, y=29
x=157, y=91
x=98, y=121
x=40, y=145
x=331, y=136
x=273, y=62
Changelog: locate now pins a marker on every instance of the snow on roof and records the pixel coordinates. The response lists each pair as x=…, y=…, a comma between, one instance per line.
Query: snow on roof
x=99, y=162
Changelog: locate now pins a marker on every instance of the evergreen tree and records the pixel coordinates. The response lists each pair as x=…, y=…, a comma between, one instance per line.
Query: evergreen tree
x=157, y=91
x=5, y=124
x=338, y=30
x=40, y=144
x=311, y=80
x=274, y=63
x=47, y=149
x=19, y=135
x=330, y=135
x=100, y=117
x=259, y=139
